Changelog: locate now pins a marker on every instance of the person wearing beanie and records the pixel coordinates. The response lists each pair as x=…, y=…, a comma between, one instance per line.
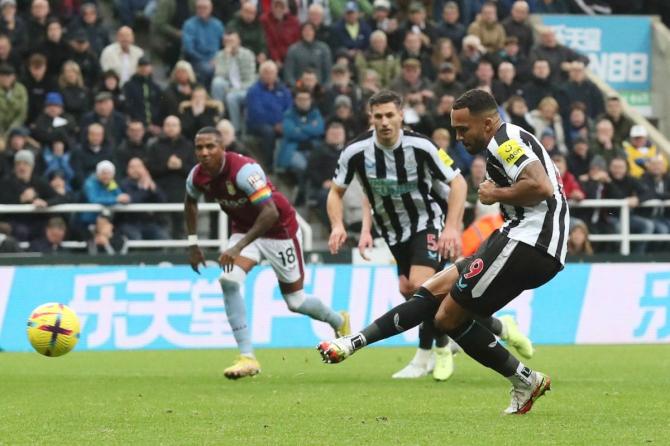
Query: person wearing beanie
x=101, y=188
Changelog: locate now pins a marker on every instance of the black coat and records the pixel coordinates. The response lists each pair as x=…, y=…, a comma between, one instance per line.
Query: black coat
x=190, y=123
x=43, y=129
x=84, y=161
x=37, y=91
x=77, y=100
x=173, y=182
x=125, y=152
x=115, y=126
x=89, y=66
x=145, y=108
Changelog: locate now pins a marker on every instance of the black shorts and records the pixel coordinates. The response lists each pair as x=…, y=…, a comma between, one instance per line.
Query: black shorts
x=420, y=249
x=499, y=271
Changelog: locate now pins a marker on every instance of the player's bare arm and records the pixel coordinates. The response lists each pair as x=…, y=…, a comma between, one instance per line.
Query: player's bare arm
x=531, y=187
x=449, y=244
x=335, y=207
x=365, y=240
x=195, y=255
x=267, y=217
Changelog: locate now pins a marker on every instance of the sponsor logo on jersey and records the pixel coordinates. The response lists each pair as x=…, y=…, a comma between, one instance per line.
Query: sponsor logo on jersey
x=445, y=158
x=510, y=151
x=240, y=202
x=385, y=188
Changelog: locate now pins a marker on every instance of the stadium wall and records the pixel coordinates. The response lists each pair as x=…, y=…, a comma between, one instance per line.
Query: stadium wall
x=130, y=307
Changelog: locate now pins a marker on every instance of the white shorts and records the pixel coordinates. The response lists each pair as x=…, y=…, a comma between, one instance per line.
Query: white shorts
x=284, y=255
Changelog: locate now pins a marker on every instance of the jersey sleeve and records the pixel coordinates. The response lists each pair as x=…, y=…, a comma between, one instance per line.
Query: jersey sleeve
x=442, y=165
x=191, y=190
x=344, y=172
x=514, y=155
x=252, y=181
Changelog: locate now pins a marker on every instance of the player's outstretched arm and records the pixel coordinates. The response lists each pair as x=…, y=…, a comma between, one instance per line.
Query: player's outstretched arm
x=195, y=255
x=335, y=208
x=531, y=187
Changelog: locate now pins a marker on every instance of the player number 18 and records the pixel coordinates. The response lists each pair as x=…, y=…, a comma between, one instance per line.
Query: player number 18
x=289, y=258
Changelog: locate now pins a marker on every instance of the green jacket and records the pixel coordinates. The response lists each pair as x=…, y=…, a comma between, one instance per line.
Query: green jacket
x=13, y=107
x=251, y=35
x=337, y=8
x=161, y=23
x=386, y=65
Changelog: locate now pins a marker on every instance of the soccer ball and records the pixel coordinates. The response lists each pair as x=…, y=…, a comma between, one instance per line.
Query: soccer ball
x=53, y=329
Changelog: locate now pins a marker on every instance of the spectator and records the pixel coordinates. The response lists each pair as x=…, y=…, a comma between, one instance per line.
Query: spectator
x=250, y=30
x=141, y=188
x=378, y=58
x=316, y=16
x=229, y=139
x=351, y=31
x=36, y=26
x=578, y=125
x=614, y=113
x=54, y=47
x=623, y=186
x=55, y=157
x=166, y=27
x=579, y=159
x=506, y=85
x=23, y=186
x=129, y=10
x=101, y=188
x=302, y=131
x=62, y=190
x=17, y=139
x=517, y=112
x=344, y=114
x=440, y=118
x=76, y=97
x=578, y=240
x=122, y=56
x=103, y=113
x=105, y=239
x=133, y=146
x=552, y=7
x=13, y=101
x=579, y=88
x=111, y=84
x=37, y=84
x=512, y=54
x=559, y=56
x=657, y=182
x=477, y=176
x=517, y=25
x=267, y=100
x=307, y=52
x=52, y=240
x=451, y=27
x=234, y=73
x=339, y=8
x=179, y=89
x=604, y=144
x=383, y=20
x=7, y=54
x=410, y=82
x=143, y=97
x=547, y=116
x=417, y=24
x=490, y=32
x=13, y=26
x=321, y=165
x=54, y=121
x=94, y=150
x=7, y=242
x=91, y=24
x=571, y=188
x=201, y=39
x=472, y=52
x=639, y=151
x=309, y=81
x=83, y=55
x=282, y=29
x=483, y=75
x=170, y=160
x=444, y=52
x=540, y=86
x=446, y=83
x=198, y=112
x=413, y=49
x=594, y=188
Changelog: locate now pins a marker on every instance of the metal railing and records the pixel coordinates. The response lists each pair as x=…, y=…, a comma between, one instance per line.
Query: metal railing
x=222, y=233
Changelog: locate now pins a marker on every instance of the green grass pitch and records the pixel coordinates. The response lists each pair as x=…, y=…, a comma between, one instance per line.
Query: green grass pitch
x=609, y=395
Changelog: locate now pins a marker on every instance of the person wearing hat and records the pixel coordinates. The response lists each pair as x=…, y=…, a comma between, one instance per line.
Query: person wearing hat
x=450, y=26
x=418, y=23
x=53, y=120
x=143, y=97
x=446, y=82
x=104, y=113
x=411, y=84
x=379, y=58
x=13, y=101
x=82, y=53
x=639, y=150
x=122, y=55
x=282, y=29
x=340, y=8
x=90, y=22
x=351, y=31
x=100, y=187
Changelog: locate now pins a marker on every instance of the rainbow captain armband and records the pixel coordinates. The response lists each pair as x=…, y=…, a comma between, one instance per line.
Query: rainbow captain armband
x=261, y=195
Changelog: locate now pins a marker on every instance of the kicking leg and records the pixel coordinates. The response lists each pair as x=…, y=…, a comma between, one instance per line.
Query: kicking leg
x=300, y=302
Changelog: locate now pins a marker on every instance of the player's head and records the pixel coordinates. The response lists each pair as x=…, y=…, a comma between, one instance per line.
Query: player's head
x=209, y=148
x=386, y=116
x=475, y=118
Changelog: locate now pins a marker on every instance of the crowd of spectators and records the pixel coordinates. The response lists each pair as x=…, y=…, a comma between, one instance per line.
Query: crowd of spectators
x=85, y=118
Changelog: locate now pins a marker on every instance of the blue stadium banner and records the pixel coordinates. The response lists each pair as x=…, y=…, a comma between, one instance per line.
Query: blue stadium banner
x=129, y=307
x=619, y=49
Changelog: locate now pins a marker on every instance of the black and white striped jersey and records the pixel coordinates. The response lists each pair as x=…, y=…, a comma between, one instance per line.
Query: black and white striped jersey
x=545, y=225
x=407, y=185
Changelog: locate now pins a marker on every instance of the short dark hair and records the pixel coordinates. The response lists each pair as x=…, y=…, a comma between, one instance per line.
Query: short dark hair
x=384, y=97
x=477, y=101
x=301, y=89
x=210, y=131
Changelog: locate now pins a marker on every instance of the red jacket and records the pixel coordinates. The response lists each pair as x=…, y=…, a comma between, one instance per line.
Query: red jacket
x=279, y=35
x=570, y=184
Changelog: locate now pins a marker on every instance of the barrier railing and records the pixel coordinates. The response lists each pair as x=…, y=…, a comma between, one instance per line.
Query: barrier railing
x=222, y=232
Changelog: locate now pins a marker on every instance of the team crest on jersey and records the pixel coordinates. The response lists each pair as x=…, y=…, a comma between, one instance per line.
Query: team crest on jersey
x=510, y=151
x=256, y=181
x=230, y=187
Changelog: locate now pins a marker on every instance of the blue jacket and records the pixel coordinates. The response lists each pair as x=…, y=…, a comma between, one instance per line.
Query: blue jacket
x=202, y=39
x=299, y=130
x=96, y=192
x=53, y=163
x=343, y=39
x=266, y=107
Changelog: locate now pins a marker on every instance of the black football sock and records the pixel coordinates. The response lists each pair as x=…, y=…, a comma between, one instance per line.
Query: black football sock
x=492, y=324
x=441, y=340
x=407, y=315
x=426, y=334
x=481, y=345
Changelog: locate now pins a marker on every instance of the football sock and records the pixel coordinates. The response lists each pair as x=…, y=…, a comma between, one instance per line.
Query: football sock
x=480, y=344
x=441, y=341
x=237, y=315
x=407, y=315
x=426, y=334
x=494, y=325
x=313, y=307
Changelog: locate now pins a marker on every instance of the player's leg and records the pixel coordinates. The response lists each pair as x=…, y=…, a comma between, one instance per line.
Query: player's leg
x=286, y=259
x=231, y=285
